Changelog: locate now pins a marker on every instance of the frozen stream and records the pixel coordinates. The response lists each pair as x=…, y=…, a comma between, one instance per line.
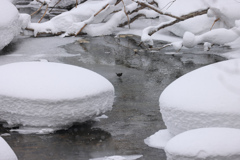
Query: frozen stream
x=135, y=113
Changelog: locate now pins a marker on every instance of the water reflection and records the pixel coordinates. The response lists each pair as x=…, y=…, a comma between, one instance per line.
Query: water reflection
x=77, y=142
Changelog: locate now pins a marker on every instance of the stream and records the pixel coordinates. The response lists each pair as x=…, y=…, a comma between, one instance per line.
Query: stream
x=135, y=115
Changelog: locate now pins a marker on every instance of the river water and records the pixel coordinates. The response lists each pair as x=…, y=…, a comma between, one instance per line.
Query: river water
x=135, y=114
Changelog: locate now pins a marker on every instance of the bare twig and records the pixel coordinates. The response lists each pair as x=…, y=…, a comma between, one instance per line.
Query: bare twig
x=44, y=14
x=76, y=3
x=54, y=6
x=214, y=23
x=125, y=11
x=94, y=16
x=37, y=10
x=168, y=5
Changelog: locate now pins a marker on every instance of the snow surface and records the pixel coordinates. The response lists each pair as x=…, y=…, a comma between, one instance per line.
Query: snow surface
x=205, y=144
x=6, y=151
x=9, y=24
x=44, y=94
x=206, y=97
x=116, y=157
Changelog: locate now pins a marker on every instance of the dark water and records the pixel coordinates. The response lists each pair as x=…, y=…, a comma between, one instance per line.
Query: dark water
x=135, y=114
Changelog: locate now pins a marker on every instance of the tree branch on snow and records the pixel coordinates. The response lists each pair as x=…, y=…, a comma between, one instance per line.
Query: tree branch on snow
x=91, y=18
x=149, y=31
x=155, y=9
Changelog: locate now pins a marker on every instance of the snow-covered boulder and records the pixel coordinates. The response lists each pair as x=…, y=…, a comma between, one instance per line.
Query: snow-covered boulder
x=6, y=151
x=205, y=144
x=45, y=94
x=206, y=97
x=9, y=24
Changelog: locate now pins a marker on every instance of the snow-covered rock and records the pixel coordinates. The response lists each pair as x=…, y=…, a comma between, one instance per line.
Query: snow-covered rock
x=9, y=24
x=206, y=97
x=6, y=151
x=44, y=94
x=205, y=144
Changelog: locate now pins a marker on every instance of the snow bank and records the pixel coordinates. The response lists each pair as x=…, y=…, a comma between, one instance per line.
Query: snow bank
x=44, y=94
x=6, y=151
x=205, y=144
x=9, y=25
x=206, y=97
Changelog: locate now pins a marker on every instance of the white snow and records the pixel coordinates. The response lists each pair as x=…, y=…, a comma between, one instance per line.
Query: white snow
x=45, y=94
x=205, y=144
x=6, y=151
x=117, y=157
x=206, y=97
x=9, y=24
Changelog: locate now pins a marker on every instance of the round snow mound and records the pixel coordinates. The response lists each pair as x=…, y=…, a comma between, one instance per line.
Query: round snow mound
x=9, y=23
x=6, y=151
x=39, y=94
x=206, y=97
x=205, y=144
